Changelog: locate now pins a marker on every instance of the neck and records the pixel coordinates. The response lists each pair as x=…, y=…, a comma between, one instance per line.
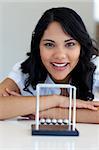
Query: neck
x=64, y=81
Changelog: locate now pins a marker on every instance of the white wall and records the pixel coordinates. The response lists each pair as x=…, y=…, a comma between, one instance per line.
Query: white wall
x=17, y=21
x=96, y=10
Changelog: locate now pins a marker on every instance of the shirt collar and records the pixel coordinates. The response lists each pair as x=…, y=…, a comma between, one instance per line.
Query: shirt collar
x=49, y=80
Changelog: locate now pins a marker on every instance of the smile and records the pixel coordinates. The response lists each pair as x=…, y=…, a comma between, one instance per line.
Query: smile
x=59, y=64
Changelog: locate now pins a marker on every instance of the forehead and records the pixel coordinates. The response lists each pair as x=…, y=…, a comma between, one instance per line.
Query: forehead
x=54, y=29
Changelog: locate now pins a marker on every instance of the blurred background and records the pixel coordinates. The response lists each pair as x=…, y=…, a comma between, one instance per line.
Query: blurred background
x=19, y=17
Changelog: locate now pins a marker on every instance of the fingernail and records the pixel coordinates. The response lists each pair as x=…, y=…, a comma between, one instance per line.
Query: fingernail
x=7, y=89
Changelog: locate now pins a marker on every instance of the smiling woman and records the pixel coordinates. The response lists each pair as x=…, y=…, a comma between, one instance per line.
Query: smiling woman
x=61, y=52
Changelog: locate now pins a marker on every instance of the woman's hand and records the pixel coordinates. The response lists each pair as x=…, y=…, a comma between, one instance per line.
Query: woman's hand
x=12, y=93
x=82, y=115
x=3, y=92
x=92, y=105
x=8, y=92
x=9, y=88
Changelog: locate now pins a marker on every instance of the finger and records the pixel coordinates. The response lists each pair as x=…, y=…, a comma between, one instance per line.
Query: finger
x=9, y=91
x=92, y=107
x=5, y=94
x=12, y=93
x=89, y=106
x=96, y=103
x=15, y=94
x=86, y=105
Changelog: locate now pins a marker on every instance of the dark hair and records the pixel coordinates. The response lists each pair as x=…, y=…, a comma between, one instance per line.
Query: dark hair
x=72, y=24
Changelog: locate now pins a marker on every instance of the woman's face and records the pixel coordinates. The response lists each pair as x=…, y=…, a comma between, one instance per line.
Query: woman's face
x=59, y=52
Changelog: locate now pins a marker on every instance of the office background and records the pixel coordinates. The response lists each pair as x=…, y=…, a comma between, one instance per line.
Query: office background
x=18, y=19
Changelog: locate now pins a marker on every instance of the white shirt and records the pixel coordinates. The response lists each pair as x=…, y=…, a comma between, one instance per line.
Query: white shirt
x=19, y=78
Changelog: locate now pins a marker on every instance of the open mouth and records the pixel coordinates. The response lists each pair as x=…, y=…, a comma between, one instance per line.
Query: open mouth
x=60, y=64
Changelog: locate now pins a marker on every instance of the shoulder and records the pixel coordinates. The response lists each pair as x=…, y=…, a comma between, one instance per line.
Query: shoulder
x=17, y=66
x=96, y=72
x=16, y=70
x=96, y=63
x=95, y=60
x=16, y=74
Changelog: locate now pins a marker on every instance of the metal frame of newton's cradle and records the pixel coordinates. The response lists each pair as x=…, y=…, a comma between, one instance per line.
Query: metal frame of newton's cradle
x=68, y=129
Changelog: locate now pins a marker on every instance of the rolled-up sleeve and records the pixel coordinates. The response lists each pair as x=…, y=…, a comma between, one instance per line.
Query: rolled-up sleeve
x=16, y=74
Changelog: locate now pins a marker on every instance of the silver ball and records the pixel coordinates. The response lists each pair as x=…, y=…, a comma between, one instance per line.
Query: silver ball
x=65, y=121
x=54, y=121
x=60, y=121
x=48, y=121
x=42, y=121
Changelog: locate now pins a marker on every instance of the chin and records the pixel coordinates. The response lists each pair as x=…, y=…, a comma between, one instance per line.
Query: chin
x=59, y=80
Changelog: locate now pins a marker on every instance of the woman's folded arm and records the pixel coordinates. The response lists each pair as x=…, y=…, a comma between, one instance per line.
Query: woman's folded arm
x=82, y=115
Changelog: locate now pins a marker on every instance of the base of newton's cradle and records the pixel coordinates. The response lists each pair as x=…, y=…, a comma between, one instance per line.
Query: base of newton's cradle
x=54, y=130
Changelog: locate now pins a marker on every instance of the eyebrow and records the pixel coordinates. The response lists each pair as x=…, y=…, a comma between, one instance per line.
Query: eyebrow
x=49, y=40
x=69, y=40
x=54, y=41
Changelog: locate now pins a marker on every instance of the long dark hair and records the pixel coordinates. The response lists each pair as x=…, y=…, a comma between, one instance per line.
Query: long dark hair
x=72, y=24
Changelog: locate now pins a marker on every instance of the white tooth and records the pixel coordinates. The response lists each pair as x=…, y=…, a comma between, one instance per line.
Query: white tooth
x=59, y=65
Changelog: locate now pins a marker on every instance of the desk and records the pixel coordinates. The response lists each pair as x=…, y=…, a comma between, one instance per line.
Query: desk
x=16, y=135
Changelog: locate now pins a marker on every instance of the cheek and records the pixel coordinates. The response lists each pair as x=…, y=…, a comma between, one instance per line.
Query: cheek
x=74, y=57
x=42, y=53
x=44, y=57
x=76, y=54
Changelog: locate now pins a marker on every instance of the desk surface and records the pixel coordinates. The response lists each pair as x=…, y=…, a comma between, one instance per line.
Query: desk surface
x=16, y=135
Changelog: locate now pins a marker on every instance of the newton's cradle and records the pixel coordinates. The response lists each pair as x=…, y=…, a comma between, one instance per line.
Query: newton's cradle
x=53, y=126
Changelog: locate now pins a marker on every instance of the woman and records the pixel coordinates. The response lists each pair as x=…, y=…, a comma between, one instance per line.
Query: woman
x=61, y=52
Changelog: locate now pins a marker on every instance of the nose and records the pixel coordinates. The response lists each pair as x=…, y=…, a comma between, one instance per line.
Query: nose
x=60, y=53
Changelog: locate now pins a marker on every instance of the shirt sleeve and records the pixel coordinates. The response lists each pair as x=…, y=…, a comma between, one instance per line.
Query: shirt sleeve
x=96, y=80
x=16, y=74
x=96, y=73
x=19, y=78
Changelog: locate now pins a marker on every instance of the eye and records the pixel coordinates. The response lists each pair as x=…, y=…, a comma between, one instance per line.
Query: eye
x=49, y=45
x=70, y=44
